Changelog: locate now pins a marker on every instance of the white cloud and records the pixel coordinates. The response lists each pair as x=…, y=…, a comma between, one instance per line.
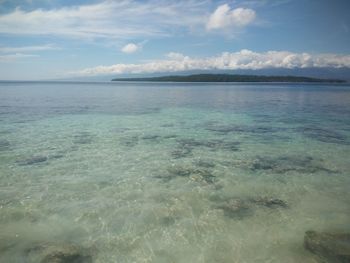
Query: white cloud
x=175, y=56
x=4, y=49
x=15, y=57
x=131, y=48
x=244, y=59
x=226, y=18
x=124, y=19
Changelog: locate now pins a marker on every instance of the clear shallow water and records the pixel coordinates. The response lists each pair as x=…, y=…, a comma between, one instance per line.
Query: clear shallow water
x=156, y=172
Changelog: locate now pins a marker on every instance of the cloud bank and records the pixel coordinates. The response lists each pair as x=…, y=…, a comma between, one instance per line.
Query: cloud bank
x=244, y=59
x=122, y=19
x=125, y=19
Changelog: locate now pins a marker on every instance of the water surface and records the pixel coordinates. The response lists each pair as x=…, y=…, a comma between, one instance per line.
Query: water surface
x=166, y=172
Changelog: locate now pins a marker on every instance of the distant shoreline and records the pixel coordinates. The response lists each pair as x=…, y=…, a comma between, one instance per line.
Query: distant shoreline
x=232, y=78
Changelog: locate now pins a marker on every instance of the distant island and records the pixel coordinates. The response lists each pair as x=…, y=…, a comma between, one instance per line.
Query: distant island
x=231, y=78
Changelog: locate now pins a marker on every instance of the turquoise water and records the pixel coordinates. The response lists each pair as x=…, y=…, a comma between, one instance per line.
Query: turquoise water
x=156, y=172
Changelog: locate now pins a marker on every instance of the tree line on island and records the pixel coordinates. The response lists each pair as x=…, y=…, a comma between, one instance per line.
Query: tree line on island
x=230, y=78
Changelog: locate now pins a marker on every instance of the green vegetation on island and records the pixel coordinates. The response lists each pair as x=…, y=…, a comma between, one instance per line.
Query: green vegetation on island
x=230, y=78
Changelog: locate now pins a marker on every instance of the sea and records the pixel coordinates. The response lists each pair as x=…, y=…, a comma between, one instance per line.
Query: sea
x=172, y=172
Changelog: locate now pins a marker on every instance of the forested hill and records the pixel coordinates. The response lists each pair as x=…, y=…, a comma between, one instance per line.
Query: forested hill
x=231, y=78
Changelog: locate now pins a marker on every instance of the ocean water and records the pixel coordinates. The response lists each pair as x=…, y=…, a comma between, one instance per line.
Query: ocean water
x=168, y=172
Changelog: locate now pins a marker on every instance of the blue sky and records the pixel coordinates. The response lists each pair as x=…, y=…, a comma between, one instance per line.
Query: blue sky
x=47, y=39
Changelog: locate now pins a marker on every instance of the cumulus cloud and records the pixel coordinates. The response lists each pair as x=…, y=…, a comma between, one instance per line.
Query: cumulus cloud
x=244, y=59
x=225, y=18
x=131, y=48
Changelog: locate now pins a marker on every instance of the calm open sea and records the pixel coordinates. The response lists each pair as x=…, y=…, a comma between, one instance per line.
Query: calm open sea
x=169, y=172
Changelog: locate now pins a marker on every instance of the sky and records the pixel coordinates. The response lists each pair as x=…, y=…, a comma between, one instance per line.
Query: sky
x=52, y=39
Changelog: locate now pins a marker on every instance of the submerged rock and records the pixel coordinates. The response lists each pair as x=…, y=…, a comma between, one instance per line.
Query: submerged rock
x=267, y=138
x=180, y=171
x=59, y=253
x=33, y=160
x=120, y=129
x=204, y=175
x=4, y=145
x=239, y=208
x=129, y=141
x=83, y=138
x=196, y=174
x=189, y=142
x=168, y=220
x=56, y=156
x=150, y=110
x=236, y=208
x=269, y=202
x=181, y=152
x=169, y=136
x=221, y=145
x=221, y=128
x=174, y=172
x=283, y=164
x=167, y=125
x=329, y=247
x=150, y=137
x=212, y=144
x=185, y=146
x=205, y=164
x=242, y=129
x=323, y=135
